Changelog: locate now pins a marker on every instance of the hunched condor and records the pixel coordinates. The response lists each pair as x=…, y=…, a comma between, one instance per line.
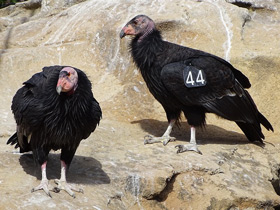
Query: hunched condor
x=55, y=109
x=191, y=81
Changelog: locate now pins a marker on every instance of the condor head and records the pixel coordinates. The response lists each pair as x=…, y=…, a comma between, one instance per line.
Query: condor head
x=67, y=81
x=141, y=25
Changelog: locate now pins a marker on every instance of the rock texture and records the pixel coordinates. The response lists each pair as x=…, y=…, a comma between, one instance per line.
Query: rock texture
x=113, y=166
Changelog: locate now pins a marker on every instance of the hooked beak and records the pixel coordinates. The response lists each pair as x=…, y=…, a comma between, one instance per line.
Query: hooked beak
x=58, y=89
x=67, y=81
x=60, y=82
x=122, y=34
x=127, y=30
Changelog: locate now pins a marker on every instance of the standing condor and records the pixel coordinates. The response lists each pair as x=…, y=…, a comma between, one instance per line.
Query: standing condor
x=55, y=109
x=191, y=81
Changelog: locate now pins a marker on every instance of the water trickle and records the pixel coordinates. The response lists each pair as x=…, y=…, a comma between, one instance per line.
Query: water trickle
x=134, y=186
x=226, y=21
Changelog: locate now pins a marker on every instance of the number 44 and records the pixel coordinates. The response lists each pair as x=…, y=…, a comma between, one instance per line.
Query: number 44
x=199, y=78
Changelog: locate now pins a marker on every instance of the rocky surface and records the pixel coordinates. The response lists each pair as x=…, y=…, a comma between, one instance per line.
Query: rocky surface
x=113, y=166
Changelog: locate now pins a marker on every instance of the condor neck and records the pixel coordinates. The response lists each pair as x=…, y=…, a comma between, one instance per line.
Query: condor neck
x=144, y=50
x=150, y=28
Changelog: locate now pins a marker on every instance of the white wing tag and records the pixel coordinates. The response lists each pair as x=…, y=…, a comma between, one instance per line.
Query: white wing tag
x=194, y=77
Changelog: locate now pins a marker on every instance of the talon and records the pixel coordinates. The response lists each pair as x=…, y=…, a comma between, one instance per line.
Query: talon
x=49, y=194
x=148, y=139
x=63, y=185
x=188, y=147
x=56, y=190
x=165, y=142
x=42, y=186
x=169, y=139
x=179, y=148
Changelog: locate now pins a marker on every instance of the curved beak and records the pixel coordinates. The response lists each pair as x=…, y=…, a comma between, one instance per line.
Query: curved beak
x=58, y=89
x=60, y=82
x=127, y=30
x=122, y=34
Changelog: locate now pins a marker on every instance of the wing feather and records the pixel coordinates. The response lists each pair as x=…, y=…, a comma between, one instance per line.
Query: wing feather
x=222, y=94
x=220, y=81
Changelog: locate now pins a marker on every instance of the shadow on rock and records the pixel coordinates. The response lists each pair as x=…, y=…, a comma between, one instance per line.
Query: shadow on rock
x=210, y=134
x=83, y=170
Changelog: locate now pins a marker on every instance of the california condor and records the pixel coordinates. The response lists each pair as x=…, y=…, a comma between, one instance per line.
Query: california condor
x=191, y=81
x=55, y=109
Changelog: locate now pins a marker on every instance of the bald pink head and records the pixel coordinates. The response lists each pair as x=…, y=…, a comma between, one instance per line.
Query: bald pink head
x=67, y=81
x=140, y=25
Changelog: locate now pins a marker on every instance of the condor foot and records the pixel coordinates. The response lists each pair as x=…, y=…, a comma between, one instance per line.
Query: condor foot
x=188, y=147
x=63, y=185
x=44, y=185
x=148, y=139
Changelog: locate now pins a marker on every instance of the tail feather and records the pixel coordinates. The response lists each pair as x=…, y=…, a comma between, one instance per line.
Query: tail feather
x=243, y=111
x=13, y=140
x=265, y=122
x=251, y=131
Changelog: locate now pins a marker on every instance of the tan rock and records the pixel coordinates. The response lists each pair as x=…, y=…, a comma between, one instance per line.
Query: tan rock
x=113, y=166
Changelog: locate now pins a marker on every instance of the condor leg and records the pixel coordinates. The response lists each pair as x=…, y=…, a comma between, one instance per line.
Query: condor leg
x=44, y=185
x=165, y=138
x=192, y=146
x=62, y=183
x=66, y=159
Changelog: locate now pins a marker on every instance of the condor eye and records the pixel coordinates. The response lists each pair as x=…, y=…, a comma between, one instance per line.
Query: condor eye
x=136, y=21
x=68, y=74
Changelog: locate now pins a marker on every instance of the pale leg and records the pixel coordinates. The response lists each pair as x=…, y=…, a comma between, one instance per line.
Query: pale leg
x=44, y=182
x=192, y=146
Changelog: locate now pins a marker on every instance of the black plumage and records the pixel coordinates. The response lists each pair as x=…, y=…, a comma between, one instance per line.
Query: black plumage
x=222, y=89
x=51, y=118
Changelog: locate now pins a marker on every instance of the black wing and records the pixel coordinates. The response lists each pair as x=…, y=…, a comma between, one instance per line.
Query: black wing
x=27, y=108
x=218, y=80
x=22, y=104
x=221, y=92
x=241, y=78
